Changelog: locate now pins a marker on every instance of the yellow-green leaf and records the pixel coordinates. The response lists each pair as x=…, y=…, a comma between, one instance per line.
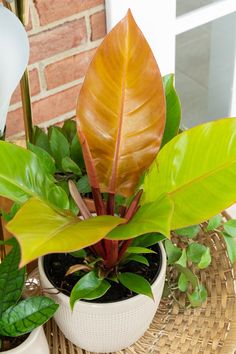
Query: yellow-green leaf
x=197, y=169
x=121, y=110
x=151, y=217
x=41, y=230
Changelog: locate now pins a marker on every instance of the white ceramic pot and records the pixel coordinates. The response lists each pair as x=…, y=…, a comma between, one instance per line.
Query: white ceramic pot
x=36, y=343
x=107, y=327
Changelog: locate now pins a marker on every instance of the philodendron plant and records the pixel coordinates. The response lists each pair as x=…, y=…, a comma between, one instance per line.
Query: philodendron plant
x=19, y=316
x=140, y=193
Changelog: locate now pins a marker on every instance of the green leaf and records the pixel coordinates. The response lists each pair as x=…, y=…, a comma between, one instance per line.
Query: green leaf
x=214, y=222
x=55, y=232
x=198, y=296
x=136, y=258
x=173, y=252
x=192, y=168
x=190, y=276
x=27, y=315
x=230, y=227
x=57, y=196
x=183, y=283
x=173, y=109
x=190, y=231
x=12, y=278
x=139, y=250
x=69, y=129
x=83, y=185
x=9, y=216
x=79, y=254
x=151, y=217
x=195, y=251
x=41, y=139
x=205, y=259
x=76, y=152
x=59, y=146
x=46, y=160
x=21, y=175
x=136, y=283
x=69, y=165
x=231, y=247
x=148, y=240
x=87, y=284
x=98, y=292
x=183, y=259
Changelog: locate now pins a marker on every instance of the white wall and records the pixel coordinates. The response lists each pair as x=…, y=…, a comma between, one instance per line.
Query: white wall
x=156, y=18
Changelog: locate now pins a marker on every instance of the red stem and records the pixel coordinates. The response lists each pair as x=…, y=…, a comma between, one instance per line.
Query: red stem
x=99, y=204
x=133, y=206
x=111, y=204
x=123, y=249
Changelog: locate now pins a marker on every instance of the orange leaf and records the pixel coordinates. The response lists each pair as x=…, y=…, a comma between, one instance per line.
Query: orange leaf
x=121, y=110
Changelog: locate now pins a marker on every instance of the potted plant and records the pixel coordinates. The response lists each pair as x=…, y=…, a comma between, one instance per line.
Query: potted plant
x=21, y=320
x=140, y=195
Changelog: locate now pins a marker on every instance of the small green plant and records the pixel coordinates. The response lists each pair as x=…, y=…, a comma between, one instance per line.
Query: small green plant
x=19, y=316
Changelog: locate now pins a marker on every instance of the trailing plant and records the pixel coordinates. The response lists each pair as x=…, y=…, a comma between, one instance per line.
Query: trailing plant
x=140, y=193
x=19, y=316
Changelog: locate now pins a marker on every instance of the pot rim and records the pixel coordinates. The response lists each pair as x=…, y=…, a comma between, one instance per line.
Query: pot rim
x=65, y=298
x=27, y=342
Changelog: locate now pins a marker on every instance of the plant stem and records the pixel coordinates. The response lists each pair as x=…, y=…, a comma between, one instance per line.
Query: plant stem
x=124, y=248
x=99, y=204
x=133, y=206
x=111, y=204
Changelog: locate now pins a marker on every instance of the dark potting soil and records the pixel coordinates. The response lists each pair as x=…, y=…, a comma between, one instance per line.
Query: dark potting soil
x=12, y=342
x=57, y=264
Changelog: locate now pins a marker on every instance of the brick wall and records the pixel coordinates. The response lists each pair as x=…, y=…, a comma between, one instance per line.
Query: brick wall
x=63, y=37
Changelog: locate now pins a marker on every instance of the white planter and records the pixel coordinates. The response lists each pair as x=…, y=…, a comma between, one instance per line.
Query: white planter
x=106, y=327
x=36, y=343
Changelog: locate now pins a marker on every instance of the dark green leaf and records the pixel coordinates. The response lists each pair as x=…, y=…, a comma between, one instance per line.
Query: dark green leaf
x=41, y=139
x=59, y=146
x=76, y=152
x=230, y=227
x=136, y=283
x=173, y=109
x=46, y=160
x=69, y=165
x=9, y=216
x=148, y=240
x=214, y=222
x=84, y=287
x=12, y=278
x=173, y=252
x=83, y=185
x=98, y=292
x=27, y=315
x=73, y=206
x=231, y=247
x=69, y=129
x=198, y=296
x=183, y=283
x=79, y=254
x=190, y=231
x=136, y=258
x=139, y=250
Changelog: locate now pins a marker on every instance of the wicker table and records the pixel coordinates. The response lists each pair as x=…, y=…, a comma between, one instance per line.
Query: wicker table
x=177, y=329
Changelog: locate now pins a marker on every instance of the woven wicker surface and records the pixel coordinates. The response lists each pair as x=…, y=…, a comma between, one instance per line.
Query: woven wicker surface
x=178, y=329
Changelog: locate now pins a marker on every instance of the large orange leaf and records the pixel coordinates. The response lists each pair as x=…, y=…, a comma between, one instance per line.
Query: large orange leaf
x=121, y=110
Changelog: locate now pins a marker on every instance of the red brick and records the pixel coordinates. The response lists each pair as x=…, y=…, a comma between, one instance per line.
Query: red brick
x=34, y=87
x=98, y=25
x=45, y=109
x=57, y=40
x=53, y=10
x=68, y=70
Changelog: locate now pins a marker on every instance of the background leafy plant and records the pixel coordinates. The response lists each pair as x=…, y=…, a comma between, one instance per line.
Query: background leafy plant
x=19, y=316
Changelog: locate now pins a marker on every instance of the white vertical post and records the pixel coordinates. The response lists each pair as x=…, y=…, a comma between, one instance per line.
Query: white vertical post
x=156, y=18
